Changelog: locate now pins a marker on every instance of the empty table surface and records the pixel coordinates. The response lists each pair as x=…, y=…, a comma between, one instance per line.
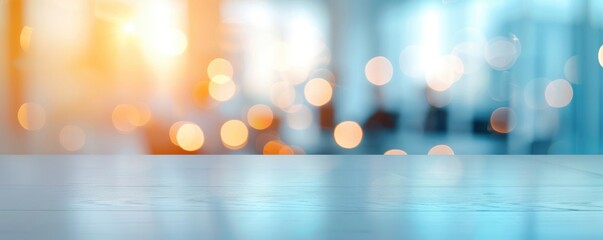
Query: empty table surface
x=301, y=197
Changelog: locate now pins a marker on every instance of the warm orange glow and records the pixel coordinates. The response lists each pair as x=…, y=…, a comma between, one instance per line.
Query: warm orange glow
x=286, y=150
x=260, y=116
x=262, y=138
x=503, y=120
x=440, y=150
x=25, y=38
x=379, y=71
x=144, y=116
x=127, y=117
x=201, y=93
x=234, y=134
x=348, y=134
x=272, y=148
x=222, y=88
x=318, y=92
x=31, y=116
x=72, y=138
x=219, y=66
x=277, y=148
x=190, y=137
x=395, y=152
x=173, y=133
x=220, y=79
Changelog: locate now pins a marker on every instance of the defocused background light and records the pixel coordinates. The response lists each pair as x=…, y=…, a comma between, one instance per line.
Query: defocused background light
x=234, y=134
x=222, y=88
x=395, y=152
x=444, y=72
x=173, y=132
x=348, y=134
x=127, y=117
x=32, y=116
x=379, y=71
x=190, y=137
x=503, y=120
x=559, y=93
x=166, y=42
x=72, y=138
x=277, y=148
x=25, y=38
x=318, y=92
x=260, y=116
x=164, y=77
x=441, y=150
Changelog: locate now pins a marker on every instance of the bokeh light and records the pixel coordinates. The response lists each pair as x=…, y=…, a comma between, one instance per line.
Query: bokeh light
x=348, y=134
x=276, y=147
x=222, y=88
x=219, y=66
x=441, y=150
x=25, y=38
x=173, y=42
x=379, y=71
x=559, y=93
x=395, y=152
x=260, y=116
x=444, y=72
x=503, y=120
x=221, y=79
x=173, y=132
x=501, y=53
x=127, y=117
x=31, y=116
x=234, y=134
x=318, y=92
x=286, y=150
x=190, y=137
x=72, y=138
x=291, y=79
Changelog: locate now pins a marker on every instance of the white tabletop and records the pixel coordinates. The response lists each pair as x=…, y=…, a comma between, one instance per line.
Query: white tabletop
x=301, y=197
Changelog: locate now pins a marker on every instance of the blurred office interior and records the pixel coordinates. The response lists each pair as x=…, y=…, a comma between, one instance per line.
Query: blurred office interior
x=301, y=76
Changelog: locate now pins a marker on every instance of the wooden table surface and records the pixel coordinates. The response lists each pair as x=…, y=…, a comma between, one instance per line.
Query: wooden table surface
x=301, y=197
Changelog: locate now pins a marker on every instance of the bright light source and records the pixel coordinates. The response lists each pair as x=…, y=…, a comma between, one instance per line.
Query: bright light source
x=348, y=134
